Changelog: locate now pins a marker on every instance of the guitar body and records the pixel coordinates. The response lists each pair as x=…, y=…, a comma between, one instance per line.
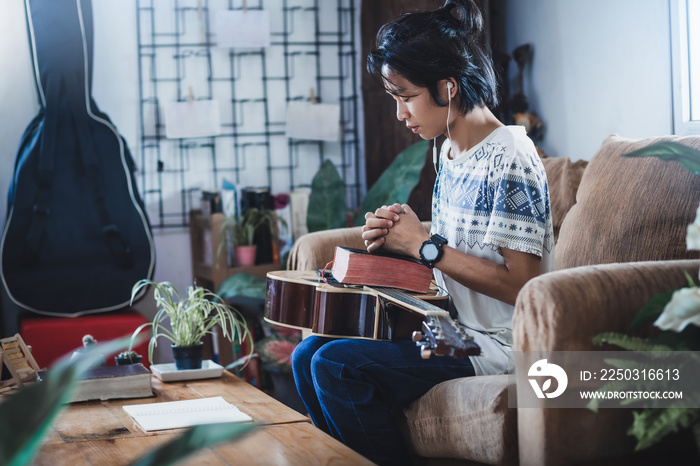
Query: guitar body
x=300, y=299
x=76, y=236
x=290, y=298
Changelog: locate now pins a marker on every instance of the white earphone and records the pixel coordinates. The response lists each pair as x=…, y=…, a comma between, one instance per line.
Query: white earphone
x=450, y=86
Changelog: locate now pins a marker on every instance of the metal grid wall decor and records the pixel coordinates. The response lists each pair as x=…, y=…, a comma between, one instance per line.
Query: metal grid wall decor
x=312, y=53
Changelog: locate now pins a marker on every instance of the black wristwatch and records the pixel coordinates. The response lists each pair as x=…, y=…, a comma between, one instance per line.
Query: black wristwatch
x=431, y=250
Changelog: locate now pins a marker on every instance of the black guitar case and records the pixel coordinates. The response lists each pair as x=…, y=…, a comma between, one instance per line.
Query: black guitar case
x=76, y=237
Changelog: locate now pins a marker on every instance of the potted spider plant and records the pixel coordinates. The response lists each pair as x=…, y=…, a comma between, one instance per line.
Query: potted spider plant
x=241, y=231
x=185, y=320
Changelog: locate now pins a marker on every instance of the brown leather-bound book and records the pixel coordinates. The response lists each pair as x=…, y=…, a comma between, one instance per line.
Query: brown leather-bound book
x=358, y=267
x=111, y=382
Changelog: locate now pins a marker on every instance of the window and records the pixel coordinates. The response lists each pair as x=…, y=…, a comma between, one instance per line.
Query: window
x=685, y=55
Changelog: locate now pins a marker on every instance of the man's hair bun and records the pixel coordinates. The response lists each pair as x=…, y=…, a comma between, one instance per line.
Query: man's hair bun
x=468, y=14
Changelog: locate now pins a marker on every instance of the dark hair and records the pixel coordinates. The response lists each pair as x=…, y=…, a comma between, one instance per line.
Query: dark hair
x=425, y=47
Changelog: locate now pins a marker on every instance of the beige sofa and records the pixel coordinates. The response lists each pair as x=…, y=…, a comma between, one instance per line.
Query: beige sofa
x=620, y=225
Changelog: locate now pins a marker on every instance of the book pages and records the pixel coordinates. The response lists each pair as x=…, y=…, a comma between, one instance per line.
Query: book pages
x=186, y=413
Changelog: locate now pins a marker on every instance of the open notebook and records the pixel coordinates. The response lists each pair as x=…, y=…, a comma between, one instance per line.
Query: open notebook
x=186, y=413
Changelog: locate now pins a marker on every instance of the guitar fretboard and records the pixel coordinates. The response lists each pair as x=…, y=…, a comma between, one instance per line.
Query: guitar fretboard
x=418, y=305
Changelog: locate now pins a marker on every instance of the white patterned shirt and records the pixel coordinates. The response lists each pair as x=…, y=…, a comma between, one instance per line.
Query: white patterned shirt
x=494, y=196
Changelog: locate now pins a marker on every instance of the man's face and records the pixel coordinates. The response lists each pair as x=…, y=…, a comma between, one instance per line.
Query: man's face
x=415, y=106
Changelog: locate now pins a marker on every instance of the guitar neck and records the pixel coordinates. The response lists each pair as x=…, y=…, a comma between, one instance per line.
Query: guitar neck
x=444, y=336
x=409, y=301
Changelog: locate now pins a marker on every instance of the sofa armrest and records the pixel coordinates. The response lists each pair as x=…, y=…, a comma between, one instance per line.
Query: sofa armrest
x=563, y=310
x=314, y=250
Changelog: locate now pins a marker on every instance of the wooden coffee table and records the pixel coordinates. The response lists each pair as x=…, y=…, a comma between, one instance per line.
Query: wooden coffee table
x=102, y=433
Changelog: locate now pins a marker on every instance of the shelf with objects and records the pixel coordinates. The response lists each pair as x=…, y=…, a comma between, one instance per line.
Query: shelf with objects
x=211, y=264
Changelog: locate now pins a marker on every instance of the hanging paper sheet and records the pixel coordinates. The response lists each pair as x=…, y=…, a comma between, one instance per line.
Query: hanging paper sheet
x=192, y=119
x=236, y=29
x=307, y=120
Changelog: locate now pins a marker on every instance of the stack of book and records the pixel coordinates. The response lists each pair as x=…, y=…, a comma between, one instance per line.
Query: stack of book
x=113, y=382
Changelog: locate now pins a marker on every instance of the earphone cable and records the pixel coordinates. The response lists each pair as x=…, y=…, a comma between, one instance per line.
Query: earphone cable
x=449, y=106
x=435, y=154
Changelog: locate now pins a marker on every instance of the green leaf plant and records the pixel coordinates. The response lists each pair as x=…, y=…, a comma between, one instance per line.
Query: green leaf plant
x=677, y=315
x=191, y=317
x=397, y=181
x=671, y=151
x=242, y=230
x=327, y=206
x=26, y=415
x=242, y=284
x=192, y=440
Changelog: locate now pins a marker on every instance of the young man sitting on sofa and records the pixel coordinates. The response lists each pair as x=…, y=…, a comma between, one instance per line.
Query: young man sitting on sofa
x=491, y=231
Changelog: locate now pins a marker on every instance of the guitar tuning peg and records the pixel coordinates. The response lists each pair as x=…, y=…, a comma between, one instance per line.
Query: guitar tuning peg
x=425, y=353
x=417, y=336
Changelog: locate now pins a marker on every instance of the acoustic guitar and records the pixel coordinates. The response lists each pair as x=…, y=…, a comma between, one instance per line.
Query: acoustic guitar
x=302, y=300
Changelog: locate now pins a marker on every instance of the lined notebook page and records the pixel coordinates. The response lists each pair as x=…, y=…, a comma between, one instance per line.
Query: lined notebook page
x=186, y=413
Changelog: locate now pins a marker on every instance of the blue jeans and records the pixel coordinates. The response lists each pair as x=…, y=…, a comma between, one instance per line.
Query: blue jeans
x=356, y=390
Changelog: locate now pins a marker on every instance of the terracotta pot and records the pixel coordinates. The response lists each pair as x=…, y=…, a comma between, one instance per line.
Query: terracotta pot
x=188, y=357
x=245, y=255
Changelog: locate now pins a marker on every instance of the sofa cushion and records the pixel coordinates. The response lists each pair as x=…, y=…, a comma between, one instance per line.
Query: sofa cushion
x=466, y=418
x=630, y=209
x=563, y=179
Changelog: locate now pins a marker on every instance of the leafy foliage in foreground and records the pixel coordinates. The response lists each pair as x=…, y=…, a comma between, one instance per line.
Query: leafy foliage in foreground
x=26, y=415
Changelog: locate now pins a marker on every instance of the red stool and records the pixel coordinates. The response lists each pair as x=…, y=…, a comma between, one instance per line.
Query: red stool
x=53, y=337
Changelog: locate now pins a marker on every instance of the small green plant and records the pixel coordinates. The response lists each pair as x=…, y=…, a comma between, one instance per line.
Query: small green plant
x=191, y=317
x=242, y=230
x=127, y=357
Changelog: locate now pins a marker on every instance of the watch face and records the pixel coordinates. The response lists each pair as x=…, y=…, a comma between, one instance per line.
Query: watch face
x=430, y=252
